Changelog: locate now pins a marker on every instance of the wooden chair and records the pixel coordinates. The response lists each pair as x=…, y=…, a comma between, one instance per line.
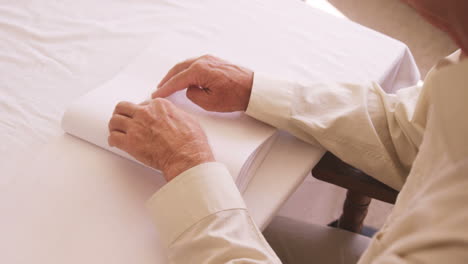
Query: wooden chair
x=361, y=190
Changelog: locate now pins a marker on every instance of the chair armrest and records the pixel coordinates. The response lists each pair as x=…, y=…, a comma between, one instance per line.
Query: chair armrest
x=333, y=170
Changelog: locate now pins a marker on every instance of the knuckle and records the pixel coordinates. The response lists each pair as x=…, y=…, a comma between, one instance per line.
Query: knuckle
x=117, y=107
x=145, y=111
x=198, y=65
x=122, y=104
x=112, y=122
x=141, y=112
x=165, y=102
x=208, y=57
x=159, y=100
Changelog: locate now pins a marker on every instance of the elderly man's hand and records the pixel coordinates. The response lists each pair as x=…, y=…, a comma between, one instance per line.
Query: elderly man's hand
x=212, y=83
x=159, y=135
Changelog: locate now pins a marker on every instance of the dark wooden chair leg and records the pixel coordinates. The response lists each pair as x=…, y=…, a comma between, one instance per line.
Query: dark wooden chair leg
x=354, y=212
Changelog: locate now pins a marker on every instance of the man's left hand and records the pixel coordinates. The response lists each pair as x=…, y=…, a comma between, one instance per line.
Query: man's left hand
x=159, y=135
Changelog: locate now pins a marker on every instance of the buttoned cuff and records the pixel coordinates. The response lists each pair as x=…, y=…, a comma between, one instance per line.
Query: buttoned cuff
x=270, y=100
x=191, y=196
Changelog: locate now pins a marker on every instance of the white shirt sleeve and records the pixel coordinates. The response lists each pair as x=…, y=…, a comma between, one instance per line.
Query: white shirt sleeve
x=376, y=132
x=202, y=218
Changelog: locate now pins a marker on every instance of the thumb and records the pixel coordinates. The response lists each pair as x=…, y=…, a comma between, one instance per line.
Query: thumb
x=201, y=98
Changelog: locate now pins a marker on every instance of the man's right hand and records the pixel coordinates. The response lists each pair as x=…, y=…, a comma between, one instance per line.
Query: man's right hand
x=213, y=84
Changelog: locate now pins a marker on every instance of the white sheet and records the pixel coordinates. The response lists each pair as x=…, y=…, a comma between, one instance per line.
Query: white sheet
x=53, y=51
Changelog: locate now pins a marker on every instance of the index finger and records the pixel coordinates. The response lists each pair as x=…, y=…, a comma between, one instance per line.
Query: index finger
x=176, y=69
x=178, y=82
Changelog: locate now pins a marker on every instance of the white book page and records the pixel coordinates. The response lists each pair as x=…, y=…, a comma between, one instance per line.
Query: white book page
x=232, y=136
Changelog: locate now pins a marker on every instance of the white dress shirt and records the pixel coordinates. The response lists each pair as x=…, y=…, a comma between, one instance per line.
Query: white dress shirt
x=414, y=141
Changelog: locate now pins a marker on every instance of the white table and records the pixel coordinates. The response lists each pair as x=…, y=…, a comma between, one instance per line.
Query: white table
x=56, y=210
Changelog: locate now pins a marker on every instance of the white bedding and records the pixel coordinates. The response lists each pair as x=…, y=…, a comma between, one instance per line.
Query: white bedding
x=51, y=52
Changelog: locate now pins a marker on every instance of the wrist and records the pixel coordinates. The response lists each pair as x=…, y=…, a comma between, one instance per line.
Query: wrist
x=181, y=163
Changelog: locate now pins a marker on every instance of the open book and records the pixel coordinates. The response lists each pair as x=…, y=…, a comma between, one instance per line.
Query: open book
x=237, y=140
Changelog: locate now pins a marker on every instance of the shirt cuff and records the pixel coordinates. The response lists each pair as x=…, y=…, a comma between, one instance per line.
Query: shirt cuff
x=198, y=192
x=270, y=100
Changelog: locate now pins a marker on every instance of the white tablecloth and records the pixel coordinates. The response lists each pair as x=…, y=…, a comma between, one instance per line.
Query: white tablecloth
x=51, y=52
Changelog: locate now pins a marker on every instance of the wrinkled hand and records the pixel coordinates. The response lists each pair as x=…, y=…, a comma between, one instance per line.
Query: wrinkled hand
x=159, y=135
x=212, y=83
